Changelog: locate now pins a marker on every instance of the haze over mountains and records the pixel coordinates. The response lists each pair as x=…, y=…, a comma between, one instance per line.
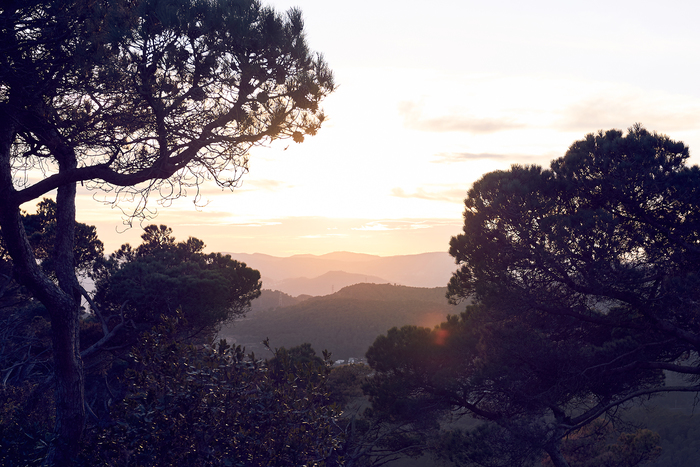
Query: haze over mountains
x=345, y=323
x=326, y=274
x=341, y=301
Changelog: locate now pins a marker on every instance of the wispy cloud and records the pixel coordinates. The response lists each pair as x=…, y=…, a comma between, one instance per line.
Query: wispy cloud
x=256, y=224
x=451, y=157
x=413, y=118
x=403, y=224
x=664, y=113
x=438, y=194
x=318, y=235
x=323, y=235
x=374, y=226
x=458, y=157
x=266, y=184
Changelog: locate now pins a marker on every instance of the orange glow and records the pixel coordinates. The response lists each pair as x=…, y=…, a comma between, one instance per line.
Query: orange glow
x=441, y=336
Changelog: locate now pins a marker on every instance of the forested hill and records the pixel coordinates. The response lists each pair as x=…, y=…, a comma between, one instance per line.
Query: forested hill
x=394, y=293
x=345, y=323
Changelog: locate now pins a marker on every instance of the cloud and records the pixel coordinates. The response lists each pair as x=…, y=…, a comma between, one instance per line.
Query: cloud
x=413, y=118
x=266, y=184
x=458, y=157
x=439, y=194
x=450, y=157
x=255, y=224
x=403, y=225
x=324, y=235
x=662, y=112
x=284, y=236
x=373, y=226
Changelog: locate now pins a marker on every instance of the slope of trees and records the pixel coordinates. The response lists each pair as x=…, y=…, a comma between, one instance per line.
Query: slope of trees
x=135, y=98
x=584, y=280
x=345, y=323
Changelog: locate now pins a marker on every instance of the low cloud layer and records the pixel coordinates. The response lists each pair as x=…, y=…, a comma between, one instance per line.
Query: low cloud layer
x=603, y=112
x=402, y=224
x=413, y=118
x=451, y=157
x=266, y=184
x=435, y=194
x=460, y=157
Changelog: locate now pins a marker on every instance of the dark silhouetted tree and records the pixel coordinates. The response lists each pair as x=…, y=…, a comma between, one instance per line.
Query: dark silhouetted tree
x=161, y=277
x=584, y=285
x=212, y=405
x=135, y=97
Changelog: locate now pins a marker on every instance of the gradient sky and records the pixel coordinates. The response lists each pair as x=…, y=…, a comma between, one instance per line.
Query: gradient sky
x=432, y=95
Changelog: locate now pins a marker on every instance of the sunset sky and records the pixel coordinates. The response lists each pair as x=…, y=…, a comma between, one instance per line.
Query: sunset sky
x=432, y=95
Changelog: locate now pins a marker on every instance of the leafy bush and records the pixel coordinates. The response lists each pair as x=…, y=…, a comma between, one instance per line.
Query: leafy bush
x=212, y=405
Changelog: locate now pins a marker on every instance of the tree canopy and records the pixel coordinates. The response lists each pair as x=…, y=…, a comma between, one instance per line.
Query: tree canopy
x=161, y=277
x=41, y=232
x=135, y=98
x=610, y=234
x=583, y=285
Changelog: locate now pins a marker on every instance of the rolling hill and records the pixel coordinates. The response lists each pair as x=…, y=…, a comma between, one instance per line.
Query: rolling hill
x=345, y=323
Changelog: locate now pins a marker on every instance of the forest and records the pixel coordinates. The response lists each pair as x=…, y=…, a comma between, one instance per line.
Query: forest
x=572, y=311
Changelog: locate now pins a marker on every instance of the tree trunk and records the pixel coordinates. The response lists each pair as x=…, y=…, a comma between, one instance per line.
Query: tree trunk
x=65, y=326
x=70, y=384
x=61, y=301
x=554, y=451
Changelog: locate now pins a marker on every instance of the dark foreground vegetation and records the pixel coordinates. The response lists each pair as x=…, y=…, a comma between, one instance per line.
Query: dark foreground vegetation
x=546, y=366
x=585, y=288
x=133, y=99
x=582, y=279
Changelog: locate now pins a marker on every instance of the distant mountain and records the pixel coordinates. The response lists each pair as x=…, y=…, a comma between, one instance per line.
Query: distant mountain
x=421, y=270
x=324, y=284
x=345, y=323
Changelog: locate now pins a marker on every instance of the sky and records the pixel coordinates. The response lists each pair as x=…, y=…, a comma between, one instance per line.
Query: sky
x=430, y=97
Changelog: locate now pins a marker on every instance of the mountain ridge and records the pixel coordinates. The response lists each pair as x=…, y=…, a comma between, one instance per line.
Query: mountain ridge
x=432, y=269
x=324, y=284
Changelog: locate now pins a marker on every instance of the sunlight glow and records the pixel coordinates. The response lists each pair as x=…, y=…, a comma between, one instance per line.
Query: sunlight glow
x=418, y=117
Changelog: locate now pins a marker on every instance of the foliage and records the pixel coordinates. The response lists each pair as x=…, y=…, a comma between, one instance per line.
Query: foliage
x=25, y=424
x=41, y=232
x=584, y=287
x=135, y=97
x=609, y=234
x=679, y=430
x=369, y=438
x=210, y=405
x=139, y=89
x=24, y=333
x=301, y=356
x=162, y=276
x=590, y=447
x=345, y=382
x=484, y=445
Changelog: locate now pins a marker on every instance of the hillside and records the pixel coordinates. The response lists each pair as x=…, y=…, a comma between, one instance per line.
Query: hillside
x=345, y=323
x=271, y=299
